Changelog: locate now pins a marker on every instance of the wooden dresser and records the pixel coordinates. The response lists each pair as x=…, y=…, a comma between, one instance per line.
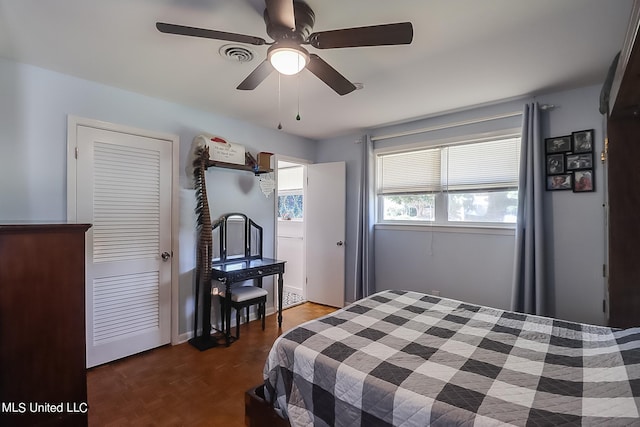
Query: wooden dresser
x=624, y=182
x=42, y=325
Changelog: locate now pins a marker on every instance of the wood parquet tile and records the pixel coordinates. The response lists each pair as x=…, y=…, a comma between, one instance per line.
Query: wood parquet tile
x=182, y=386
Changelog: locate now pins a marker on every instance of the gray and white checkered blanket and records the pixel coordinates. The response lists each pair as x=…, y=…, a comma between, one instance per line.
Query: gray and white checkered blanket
x=402, y=358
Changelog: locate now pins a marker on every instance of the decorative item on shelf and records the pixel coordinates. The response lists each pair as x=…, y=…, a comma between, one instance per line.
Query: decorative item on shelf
x=250, y=161
x=222, y=151
x=264, y=160
x=224, y=154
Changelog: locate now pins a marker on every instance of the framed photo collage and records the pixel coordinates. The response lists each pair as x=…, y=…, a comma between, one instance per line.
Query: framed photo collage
x=569, y=162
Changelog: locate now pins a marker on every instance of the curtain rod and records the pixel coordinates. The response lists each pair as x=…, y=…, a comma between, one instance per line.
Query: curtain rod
x=446, y=126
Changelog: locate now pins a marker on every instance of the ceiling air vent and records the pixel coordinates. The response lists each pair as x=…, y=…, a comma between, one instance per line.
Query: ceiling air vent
x=236, y=53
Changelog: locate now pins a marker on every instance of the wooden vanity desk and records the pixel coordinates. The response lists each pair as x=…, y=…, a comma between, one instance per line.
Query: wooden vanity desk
x=237, y=257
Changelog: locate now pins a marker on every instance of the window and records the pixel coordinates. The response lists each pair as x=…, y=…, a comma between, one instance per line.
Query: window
x=455, y=184
x=290, y=205
x=290, y=191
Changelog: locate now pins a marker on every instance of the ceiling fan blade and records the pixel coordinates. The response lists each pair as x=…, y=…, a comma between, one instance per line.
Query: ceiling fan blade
x=329, y=75
x=208, y=34
x=281, y=13
x=256, y=77
x=375, y=35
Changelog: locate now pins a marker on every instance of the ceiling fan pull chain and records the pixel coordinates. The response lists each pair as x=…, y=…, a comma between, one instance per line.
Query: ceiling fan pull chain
x=298, y=89
x=279, y=107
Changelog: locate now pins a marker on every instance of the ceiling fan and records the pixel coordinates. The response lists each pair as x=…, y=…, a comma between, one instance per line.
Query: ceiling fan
x=290, y=24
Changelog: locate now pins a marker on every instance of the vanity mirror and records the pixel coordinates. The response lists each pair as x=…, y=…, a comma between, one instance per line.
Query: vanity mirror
x=235, y=236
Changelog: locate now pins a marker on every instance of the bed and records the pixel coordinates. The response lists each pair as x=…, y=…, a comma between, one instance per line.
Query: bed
x=400, y=358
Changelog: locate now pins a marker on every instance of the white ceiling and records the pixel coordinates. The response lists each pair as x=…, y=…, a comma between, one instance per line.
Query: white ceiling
x=464, y=53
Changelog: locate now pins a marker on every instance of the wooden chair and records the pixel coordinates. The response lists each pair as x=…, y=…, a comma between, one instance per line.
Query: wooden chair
x=245, y=297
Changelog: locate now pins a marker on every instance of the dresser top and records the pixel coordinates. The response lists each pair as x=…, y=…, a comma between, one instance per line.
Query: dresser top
x=39, y=227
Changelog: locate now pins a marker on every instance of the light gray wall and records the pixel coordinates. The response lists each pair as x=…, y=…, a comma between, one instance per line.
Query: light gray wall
x=34, y=104
x=348, y=149
x=478, y=267
x=466, y=266
x=575, y=226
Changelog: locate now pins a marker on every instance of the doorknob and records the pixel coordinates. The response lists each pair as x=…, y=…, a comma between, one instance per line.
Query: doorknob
x=340, y=243
x=165, y=256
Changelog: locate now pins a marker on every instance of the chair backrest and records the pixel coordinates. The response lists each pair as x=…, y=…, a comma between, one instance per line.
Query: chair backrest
x=236, y=237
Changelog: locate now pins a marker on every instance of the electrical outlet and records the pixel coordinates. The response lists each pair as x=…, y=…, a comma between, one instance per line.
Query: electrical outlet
x=214, y=291
x=435, y=293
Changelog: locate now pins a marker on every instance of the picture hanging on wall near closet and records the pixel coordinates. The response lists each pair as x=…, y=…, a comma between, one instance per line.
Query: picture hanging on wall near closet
x=569, y=162
x=583, y=177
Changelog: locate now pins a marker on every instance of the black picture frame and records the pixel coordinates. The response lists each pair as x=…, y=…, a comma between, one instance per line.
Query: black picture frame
x=582, y=141
x=555, y=164
x=584, y=181
x=579, y=161
x=560, y=182
x=558, y=144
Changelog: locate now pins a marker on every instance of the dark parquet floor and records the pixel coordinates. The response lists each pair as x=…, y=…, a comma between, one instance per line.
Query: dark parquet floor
x=182, y=386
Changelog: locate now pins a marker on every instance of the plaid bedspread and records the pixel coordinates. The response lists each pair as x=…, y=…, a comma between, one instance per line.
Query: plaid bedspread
x=409, y=359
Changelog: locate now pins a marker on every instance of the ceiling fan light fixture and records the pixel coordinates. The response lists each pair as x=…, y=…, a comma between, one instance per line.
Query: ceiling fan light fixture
x=288, y=60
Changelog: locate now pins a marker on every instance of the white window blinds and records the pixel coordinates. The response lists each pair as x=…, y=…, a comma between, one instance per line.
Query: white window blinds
x=487, y=165
x=410, y=172
x=482, y=166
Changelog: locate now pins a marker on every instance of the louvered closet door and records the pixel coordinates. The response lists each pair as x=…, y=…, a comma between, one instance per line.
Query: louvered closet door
x=124, y=190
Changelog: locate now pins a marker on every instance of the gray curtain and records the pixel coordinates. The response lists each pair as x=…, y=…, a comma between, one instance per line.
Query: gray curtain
x=529, y=284
x=364, y=283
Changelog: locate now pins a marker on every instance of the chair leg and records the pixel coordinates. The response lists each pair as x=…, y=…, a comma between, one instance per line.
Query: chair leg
x=222, y=311
x=247, y=319
x=238, y=323
x=261, y=310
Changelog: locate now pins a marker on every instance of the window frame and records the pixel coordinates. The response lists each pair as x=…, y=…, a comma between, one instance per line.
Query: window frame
x=441, y=221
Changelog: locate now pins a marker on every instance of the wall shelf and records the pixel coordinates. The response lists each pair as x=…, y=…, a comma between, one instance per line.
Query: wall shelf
x=248, y=168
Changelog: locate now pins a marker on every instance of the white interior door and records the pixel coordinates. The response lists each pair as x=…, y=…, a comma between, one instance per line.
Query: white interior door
x=124, y=190
x=325, y=232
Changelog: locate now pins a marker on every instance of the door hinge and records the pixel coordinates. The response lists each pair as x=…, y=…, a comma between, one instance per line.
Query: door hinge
x=604, y=306
x=604, y=270
x=76, y=152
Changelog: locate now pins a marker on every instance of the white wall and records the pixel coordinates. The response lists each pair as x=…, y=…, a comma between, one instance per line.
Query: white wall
x=34, y=104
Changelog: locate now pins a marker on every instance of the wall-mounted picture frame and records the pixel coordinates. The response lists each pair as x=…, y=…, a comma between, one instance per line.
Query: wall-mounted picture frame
x=583, y=181
x=555, y=164
x=560, y=182
x=582, y=141
x=579, y=161
x=558, y=144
